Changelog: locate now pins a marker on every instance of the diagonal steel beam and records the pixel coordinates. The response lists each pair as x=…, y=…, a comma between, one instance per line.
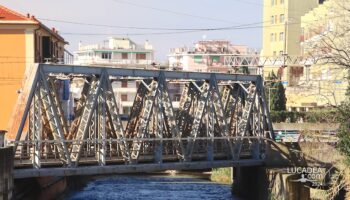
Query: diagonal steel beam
x=169, y=116
x=197, y=120
x=117, y=127
x=219, y=111
x=143, y=121
x=88, y=111
x=51, y=112
x=243, y=124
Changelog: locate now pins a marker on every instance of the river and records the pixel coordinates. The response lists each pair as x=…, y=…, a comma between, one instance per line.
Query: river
x=152, y=187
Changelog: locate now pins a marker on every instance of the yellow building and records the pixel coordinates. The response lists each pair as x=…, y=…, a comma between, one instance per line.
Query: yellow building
x=23, y=41
x=322, y=84
x=281, y=32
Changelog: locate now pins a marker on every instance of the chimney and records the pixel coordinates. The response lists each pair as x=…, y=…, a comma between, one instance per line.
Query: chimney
x=53, y=29
x=28, y=15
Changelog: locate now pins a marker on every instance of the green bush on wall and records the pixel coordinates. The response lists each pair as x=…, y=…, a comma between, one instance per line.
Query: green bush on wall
x=315, y=116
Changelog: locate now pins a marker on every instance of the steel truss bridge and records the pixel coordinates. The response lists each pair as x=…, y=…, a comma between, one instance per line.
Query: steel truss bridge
x=283, y=60
x=222, y=121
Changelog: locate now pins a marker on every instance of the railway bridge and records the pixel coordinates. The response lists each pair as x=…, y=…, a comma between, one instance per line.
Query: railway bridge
x=222, y=121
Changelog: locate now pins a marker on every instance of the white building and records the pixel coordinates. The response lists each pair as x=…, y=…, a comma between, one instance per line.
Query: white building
x=115, y=51
x=118, y=52
x=207, y=56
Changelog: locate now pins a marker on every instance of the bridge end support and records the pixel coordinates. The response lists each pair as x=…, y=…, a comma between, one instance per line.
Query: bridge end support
x=6, y=172
x=263, y=183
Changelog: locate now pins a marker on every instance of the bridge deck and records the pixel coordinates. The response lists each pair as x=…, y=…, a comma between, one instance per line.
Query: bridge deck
x=131, y=168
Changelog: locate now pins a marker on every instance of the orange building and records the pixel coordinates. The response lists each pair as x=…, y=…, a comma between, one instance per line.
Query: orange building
x=24, y=41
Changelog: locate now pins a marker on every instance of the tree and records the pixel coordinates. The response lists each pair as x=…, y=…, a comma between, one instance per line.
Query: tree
x=279, y=100
x=328, y=39
x=328, y=43
x=276, y=93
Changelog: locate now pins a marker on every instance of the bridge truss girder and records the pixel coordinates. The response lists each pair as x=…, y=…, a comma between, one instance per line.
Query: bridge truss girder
x=221, y=117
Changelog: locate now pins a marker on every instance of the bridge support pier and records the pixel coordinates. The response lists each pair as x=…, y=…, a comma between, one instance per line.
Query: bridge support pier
x=246, y=182
x=262, y=183
x=6, y=173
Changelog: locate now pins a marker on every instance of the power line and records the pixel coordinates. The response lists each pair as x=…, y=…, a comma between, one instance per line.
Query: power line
x=144, y=28
x=173, y=31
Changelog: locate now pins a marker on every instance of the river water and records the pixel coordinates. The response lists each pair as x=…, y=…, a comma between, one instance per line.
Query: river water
x=157, y=187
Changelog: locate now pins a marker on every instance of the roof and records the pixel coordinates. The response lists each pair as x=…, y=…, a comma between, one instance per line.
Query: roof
x=8, y=16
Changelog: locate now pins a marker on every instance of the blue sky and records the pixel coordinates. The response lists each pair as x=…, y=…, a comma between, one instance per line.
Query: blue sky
x=148, y=13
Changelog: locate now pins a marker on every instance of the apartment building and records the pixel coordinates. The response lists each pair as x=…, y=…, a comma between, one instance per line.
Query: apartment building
x=24, y=40
x=208, y=56
x=323, y=84
x=281, y=31
x=118, y=52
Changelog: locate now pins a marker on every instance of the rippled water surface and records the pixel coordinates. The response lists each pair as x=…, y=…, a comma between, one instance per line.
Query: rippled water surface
x=152, y=187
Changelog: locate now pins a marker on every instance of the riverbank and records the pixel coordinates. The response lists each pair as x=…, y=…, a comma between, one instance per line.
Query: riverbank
x=221, y=175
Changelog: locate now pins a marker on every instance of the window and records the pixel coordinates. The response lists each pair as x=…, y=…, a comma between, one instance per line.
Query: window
x=124, y=56
x=281, y=53
x=272, y=37
x=275, y=37
x=281, y=1
x=106, y=56
x=124, y=83
x=281, y=18
x=272, y=19
x=124, y=97
x=272, y=2
x=281, y=36
x=198, y=59
x=274, y=53
x=215, y=58
x=140, y=56
x=276, y=19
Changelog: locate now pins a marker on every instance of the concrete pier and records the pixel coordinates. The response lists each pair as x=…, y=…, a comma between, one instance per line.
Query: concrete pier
x=260, y=183
x=6, y=173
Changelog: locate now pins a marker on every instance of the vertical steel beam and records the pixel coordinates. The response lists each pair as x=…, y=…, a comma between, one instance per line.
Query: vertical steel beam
x=37, y=129
x=210, y=132
x=102, y=135
x=159, y=129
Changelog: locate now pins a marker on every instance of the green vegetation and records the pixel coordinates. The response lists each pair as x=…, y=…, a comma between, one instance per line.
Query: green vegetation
x=221, y=175
x=320, y=116
x=344, y=136
x=275, y=93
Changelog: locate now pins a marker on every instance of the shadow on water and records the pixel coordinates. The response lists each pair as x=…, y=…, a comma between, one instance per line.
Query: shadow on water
x=151, y=187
